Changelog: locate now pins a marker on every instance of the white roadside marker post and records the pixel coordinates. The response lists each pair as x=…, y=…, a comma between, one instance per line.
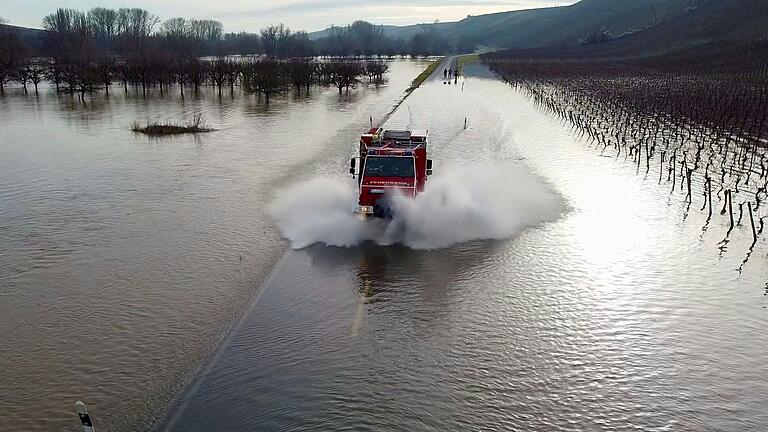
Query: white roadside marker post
x=85, y=419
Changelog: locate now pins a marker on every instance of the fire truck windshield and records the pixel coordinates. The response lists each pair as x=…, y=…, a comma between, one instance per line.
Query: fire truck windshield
x=378, y=166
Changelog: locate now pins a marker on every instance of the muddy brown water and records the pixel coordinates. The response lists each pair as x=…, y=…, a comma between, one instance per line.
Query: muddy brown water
x=124, y=259
x=623, y=314
x=125, y=272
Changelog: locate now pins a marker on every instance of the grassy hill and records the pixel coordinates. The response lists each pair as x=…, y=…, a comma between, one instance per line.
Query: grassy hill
x=556, y=26
x=396, y=32
x=565, y=26
x=33, y=38
x=634, y=25
x=710, y=23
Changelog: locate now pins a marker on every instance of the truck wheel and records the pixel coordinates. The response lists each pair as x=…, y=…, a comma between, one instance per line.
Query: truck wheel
x=383, y=210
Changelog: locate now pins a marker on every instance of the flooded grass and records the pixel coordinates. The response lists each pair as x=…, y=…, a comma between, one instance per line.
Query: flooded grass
x=426, y=73
x=466, y=59
x=195, y=125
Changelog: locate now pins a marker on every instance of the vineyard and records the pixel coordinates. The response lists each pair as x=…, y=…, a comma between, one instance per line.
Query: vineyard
x=697, y=116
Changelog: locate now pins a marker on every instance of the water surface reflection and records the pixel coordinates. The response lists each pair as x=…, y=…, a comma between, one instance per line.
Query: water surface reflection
x=124, y=259
x=618, y=315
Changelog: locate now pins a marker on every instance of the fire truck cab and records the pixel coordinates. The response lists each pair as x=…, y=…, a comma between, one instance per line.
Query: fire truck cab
x=390, y=162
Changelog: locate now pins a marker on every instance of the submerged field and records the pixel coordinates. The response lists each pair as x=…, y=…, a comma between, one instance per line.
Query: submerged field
x=124, y=258
x=133, y=261
x=696, y=118
x=617, y=312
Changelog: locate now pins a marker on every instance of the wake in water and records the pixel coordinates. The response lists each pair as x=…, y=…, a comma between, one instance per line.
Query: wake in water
x=462, y=204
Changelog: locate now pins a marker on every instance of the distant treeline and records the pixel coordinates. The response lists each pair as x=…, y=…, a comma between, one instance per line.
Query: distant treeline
x=262, y=75
x=86, y=52
x=119, y=31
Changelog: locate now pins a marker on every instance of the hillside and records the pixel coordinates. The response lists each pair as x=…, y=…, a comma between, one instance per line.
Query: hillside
x=623, y=26
x=395, y=32
x=721, y=22
x=553, y=27
x=33, y=38
x=565, y=26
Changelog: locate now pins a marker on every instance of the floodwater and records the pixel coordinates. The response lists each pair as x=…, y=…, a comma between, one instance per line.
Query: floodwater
x=625, y=313
x=124, y=259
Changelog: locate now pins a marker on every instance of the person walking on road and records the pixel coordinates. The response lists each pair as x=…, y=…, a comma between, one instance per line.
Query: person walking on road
x=456, y=76
x=445, y=73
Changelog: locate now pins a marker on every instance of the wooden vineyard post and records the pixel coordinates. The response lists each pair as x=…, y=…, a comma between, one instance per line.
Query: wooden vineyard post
x=752, y=221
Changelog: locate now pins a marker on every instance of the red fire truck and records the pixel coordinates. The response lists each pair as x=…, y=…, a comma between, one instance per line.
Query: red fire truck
x=391, y=161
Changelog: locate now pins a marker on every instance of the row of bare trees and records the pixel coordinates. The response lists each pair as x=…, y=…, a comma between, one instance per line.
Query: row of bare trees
x=264, y=76
x=269, y=77
x=124, y=30
x=93, y=50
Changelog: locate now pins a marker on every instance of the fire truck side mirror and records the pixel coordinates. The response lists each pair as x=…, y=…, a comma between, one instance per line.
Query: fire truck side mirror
x=429, y=164
x=429, y=172
x=352, y=166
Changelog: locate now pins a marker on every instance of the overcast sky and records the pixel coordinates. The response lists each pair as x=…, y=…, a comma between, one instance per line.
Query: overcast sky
x=310, y=15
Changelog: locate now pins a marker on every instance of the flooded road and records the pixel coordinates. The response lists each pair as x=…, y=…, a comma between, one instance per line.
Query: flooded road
x=625, y=312
x=123, y=259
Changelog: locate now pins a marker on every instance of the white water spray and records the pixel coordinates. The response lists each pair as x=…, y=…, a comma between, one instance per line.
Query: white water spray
x=463, y=204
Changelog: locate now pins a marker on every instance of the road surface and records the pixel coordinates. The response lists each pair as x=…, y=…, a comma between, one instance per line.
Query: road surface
x=617, y=315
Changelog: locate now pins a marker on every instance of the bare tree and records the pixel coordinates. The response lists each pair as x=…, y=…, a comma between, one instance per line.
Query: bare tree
x=87, y=79
x=13, y=54
x=53, y=73
x=265, y=77
x=375, y=70
x=232, y=73
x=136, y=22
x=105, y=70
x=241, y=43
x=275, y=39
x=20, y=74
x=65, y=20
x=301, y=72
x=135, y=25
x=269, y=38
x=163, y=70
x=344, y=74
x=205, y=29
x=338, y=41
x=218, y=73
x=297, y=45
x=122, y=72
x=174, y=28
x=36, y=74
x=103, y=23
x=197, y=72
x=70, y=77
x=179, y=75
x=140, y=69
x=365, y=37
